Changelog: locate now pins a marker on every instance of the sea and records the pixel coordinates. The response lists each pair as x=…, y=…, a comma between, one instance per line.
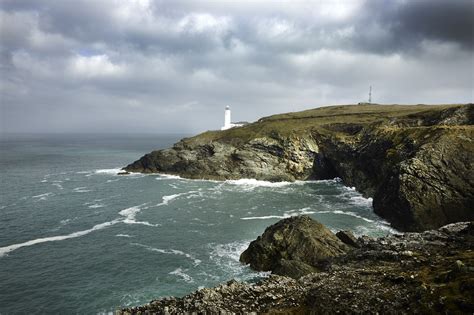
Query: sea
x=75, y=237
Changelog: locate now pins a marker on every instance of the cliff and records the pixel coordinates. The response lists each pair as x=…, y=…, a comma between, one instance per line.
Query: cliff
x=412, y=273
x=414, y=160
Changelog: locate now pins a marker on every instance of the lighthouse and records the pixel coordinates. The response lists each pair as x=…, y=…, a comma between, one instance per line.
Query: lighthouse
x=227, y=120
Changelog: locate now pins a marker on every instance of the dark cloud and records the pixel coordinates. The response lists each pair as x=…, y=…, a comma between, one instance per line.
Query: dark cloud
x=173, y=65
x=398, y=26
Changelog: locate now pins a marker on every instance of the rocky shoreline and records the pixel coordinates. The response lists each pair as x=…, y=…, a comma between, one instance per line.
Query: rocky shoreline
x=420, y=273
x=416, y=161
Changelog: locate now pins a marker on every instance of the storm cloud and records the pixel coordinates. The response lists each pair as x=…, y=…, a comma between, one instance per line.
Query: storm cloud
x=172, y=66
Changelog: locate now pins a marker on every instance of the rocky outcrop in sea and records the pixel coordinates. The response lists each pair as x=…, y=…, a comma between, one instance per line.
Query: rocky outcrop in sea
x=415, y=161
x=293, y=247
x=413, y=273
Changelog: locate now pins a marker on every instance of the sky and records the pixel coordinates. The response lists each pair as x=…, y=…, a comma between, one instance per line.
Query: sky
x=143, y=66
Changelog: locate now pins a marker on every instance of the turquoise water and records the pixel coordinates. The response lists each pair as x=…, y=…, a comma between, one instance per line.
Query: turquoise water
x=77, y=238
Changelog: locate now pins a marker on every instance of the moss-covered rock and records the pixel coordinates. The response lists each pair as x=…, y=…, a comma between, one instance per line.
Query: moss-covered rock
x=293, y=247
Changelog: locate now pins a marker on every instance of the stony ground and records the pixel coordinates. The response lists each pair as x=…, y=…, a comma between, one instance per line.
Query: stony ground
x=414, y=273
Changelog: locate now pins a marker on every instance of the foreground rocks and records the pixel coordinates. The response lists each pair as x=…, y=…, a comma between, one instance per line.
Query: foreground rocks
x=415, y=161
x=428, y=273
x=293, y=247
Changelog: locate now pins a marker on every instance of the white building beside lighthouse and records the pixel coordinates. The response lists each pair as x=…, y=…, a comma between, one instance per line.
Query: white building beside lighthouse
x=228, y=122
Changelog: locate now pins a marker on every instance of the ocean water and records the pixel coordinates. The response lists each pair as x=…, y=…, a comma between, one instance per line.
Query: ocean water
x=77, y=238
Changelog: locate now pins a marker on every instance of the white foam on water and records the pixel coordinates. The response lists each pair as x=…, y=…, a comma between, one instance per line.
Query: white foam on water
x=43, y=196
x=166, y=199
x=169, y=252
x=361, y=201
x=208, y=276
x=58, y=185
x=64, y=222
x=266, y=217
x=123, y=235
x=304, y=182
x=81, y=190
x=226, y=257
x=182, y=274
x=305, y=210
x=352, y=214
x=112, y=180
x=230, y=251
x=129, y=215
x=129, y=218
x=167, y=176
x=378, y=228
x=7, y=249
x=286, y=214
x=253, y=183
x=108, y=171
x=96, y=205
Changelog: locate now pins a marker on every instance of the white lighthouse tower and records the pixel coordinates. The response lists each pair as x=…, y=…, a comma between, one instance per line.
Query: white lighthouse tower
x=227, y=121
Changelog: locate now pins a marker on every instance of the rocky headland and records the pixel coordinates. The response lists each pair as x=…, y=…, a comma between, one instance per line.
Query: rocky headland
x=318, y=272
x=415, y=161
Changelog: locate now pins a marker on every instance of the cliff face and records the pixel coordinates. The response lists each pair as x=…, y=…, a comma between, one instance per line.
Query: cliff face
x=270, y=158
x=415, y=161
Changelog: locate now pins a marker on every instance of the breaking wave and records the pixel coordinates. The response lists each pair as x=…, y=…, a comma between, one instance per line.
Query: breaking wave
x=182, y=274
x=170, y=252
x=253, y=183
x=109, y=171
x=43, y=196
x=7, y=249
x=129, y=215
x=81, y=190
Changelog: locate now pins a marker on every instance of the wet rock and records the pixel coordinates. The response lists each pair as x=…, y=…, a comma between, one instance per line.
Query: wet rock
x=296, y=240
x=347, y=238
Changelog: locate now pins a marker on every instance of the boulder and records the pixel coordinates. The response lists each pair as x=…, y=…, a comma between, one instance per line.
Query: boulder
x=296, y=241
x=347, y=238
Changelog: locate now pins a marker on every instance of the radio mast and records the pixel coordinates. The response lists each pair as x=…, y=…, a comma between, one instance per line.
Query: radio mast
x=370, y=94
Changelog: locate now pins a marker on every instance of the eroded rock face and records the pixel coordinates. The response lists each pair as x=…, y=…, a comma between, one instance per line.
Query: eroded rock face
x=419, y=178
x=293, y=247
x=264, y=158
